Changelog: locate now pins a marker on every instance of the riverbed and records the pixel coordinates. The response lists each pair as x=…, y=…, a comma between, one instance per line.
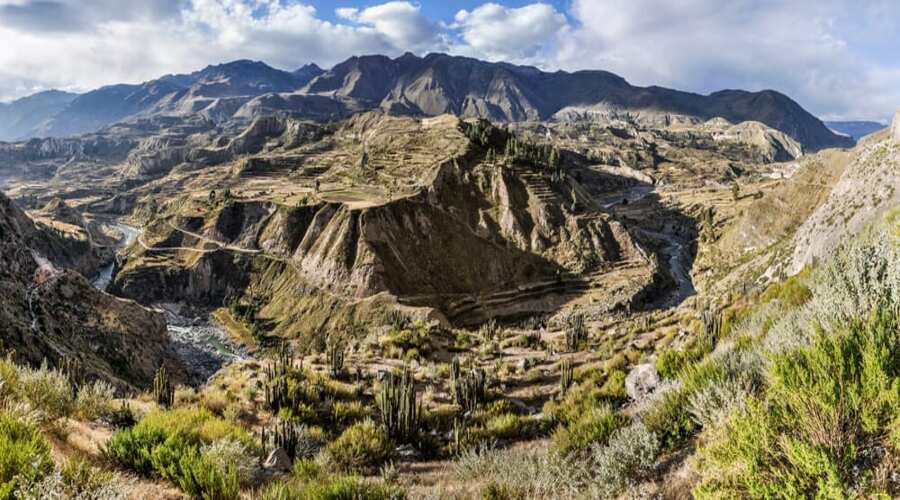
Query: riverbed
x=200, y=342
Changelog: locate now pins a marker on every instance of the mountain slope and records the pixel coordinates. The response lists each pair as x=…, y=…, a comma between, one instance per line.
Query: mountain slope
x=439, y=83
x=434, y=85
x=113, y=339
x=21, y=116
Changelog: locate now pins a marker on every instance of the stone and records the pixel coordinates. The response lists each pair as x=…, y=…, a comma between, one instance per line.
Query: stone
x=278, y=461
x=641, y=381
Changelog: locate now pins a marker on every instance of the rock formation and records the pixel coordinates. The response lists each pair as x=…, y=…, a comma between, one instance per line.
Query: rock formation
x=49, y=312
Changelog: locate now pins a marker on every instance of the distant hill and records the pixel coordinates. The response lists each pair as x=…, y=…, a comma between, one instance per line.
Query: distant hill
x=18, y=119
x=431, y=85
x=856, y=129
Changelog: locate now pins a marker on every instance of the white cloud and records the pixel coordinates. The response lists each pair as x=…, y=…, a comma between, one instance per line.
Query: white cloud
x=817, y=52
x=524, y=34
x=402, y=23
x=837, y=58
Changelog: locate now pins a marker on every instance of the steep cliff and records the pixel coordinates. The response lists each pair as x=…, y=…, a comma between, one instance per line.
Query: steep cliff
x=50, y=313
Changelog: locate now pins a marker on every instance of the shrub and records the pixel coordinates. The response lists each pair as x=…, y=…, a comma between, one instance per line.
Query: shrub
x=310, y=482
x=199, y=477
x=408, y=343
x=76, y=479
x=627, y=460
x=94, y=400
x=670, y=420
x=231, y=454
x=614, y=386
x=593, y=427
x=348, y=412
x=46, y=390
x=24, y=455
x=828, y=407
x=171, y=444
x=509, y=426
x=363, y=447
x=525, y=473
x=331, y=488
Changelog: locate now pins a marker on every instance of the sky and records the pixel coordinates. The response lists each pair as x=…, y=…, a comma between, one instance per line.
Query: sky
x=837, y=58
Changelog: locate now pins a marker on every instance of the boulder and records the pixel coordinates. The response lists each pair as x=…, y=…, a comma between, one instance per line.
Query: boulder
x=641, y=381
x=278, y=461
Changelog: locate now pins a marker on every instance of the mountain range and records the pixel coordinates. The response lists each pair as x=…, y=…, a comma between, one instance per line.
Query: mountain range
x=429, y=86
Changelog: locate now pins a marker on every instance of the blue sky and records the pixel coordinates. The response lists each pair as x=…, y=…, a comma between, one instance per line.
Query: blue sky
x=837, y=58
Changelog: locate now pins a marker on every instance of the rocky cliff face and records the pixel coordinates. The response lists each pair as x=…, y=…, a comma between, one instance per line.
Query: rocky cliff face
x=478, y=230
x=47, y=312
x=868, y=187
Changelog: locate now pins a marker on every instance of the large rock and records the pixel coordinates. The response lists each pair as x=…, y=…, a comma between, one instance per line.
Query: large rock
x=895, y=129
x=641, y=381
x=278, y=461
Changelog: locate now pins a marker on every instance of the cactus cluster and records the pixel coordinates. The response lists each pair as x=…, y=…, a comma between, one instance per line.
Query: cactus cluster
x=469, y=389
x=163, y=390
x=567, y=372
x=277, y=393
x=291, y=437
x=712, y=326
x=335, y=351
x=576, y=333
x=401, y=412
x=72, y=368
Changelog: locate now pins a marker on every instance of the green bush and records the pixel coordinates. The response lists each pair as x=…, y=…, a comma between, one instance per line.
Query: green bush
x=310, y=482
x=828, y=407
x=509, y=426
x=363, y=447
x=24, y=455
x=593, y=427
x=183, y=446
x=46, y=390
x=200, y=477
x=94, y=400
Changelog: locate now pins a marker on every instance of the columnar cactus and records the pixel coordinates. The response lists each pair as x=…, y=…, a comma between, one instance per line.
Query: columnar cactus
x=163, y=390
x=566, y=377
x=400, y=409
x=576, y=333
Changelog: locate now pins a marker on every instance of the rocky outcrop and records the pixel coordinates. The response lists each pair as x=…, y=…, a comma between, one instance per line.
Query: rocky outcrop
x=868, y=187
x=156, y=156
x=50, y=313
x=504, y=235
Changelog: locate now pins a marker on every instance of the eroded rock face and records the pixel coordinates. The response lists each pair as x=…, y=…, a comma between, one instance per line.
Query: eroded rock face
x=478, y=241
x=47, y=312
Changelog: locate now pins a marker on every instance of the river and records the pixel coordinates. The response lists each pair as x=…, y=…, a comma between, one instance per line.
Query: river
x=202, y=344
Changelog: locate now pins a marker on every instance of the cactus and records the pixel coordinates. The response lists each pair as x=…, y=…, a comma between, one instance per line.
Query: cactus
x=291, y=437
x=163, y=390
x=567, y=372
x=712, y=326
x=576, y=333
x=336, y=358
x=469, y=389
x=399, y=407
x=73, y=370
